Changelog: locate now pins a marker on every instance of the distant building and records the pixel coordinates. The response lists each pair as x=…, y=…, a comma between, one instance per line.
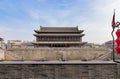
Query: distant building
x=109, y=44
x=14, y=43
x=92, y=45
x=1, y=43
x=58, y=37
x=88, y=45
x=19, y=44
x=27, y=44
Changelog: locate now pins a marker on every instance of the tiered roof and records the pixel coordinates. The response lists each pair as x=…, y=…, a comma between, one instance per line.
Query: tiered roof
x=58, y=29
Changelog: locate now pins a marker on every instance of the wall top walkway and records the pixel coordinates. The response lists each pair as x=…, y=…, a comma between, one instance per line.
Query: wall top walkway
x=61, y=62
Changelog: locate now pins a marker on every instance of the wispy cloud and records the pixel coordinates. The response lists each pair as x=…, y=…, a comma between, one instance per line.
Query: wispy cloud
x=92, y=16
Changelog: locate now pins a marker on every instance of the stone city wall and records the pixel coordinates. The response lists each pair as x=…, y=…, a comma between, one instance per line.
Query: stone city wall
x=61, y=71
x=51, y=54
x=2, y=54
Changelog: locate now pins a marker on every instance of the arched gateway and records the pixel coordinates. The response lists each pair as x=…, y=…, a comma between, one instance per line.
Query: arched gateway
x=58, y=37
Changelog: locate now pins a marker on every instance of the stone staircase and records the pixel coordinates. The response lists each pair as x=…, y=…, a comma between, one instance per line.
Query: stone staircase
x=107, y=56
x=10, y=55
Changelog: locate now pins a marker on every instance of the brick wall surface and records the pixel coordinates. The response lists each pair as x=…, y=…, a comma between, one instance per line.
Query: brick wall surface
x=61, y=71
x=51, y=54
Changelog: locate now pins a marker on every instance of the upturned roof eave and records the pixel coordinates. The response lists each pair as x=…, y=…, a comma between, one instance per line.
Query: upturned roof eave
x=39, y=31
x=59, y=35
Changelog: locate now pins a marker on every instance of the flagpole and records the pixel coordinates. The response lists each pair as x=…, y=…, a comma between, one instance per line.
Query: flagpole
x=114, y=25
x=113, y=28
x=113, y=51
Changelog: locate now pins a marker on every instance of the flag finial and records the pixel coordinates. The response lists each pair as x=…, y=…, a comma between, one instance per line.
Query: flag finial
x=113, y=19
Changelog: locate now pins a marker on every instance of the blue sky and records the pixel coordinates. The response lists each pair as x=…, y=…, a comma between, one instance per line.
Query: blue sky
x=18, y=18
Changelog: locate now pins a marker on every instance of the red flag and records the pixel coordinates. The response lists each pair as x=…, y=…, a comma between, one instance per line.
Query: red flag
x=113, y=19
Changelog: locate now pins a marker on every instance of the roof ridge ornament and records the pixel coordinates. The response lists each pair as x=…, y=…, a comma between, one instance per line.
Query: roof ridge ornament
x=77, y=27
x=40, y=26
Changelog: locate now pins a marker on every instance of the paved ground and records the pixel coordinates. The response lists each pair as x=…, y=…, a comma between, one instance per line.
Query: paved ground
x=57, y=62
